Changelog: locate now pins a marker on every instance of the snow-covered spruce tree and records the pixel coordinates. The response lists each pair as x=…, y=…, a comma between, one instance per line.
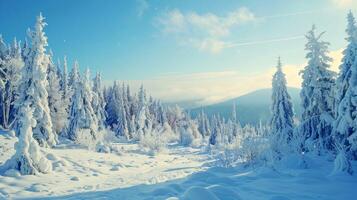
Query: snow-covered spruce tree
x=98, y=102
x=10, y=65
x=117, y=117
x=59, y=71
x=235, y=125
x=66, y=90
x=143, y=118
x=174, y=117
x=130, y=110
x=317, y=95
x=127, y=110
x=215, y=131
x=207, y=125
x=27, y=159
x=74, y=76
x=345, y=127
x=121, y=124
x=202, y=123
x=33, y=85
x=4, y=57
x=281, y=122
x=188, y=131
x=82, y=119
x=112, y=105
x=57, y=109
x=161, y=115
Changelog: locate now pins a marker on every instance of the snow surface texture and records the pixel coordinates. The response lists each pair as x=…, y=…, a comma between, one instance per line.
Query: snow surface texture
x=178, y=173
x=79, y=170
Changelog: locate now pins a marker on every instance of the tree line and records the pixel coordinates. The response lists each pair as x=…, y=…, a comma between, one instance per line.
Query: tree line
x=44, y=103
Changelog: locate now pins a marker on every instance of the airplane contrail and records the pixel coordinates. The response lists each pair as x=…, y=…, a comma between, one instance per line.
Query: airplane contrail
x=238, y=44
x=292, y=14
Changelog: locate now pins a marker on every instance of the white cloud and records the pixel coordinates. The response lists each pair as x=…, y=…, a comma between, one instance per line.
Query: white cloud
x=204, y=31
x=212, y=45
x=211, y=87
x=210, y=32
x=142, y=7
x=173, y=22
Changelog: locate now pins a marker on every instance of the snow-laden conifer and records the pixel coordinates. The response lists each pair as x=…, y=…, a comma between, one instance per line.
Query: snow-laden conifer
x=28, y=159
x=82, y=120
x=282, y=111
x=57, y=109
x=98, y=101
x=34, y=83
x=345, y=127
x=317, y=94
x=11, y=63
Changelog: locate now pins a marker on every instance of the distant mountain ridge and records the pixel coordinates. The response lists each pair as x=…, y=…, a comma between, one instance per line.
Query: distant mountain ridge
x=251, y=108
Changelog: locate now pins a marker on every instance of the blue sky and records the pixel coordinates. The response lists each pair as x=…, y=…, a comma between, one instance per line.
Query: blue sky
x=182, y=50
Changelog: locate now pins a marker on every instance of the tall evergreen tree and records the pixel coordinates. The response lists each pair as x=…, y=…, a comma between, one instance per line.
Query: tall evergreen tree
x=215, y=131
x=112, y=107
x=74, y=76
x=317, y=94
x=282, y=110
x=66, y=91
x=82, y=119
x=57, y=109
x=98, y=101
x=345, y=127
x=33, y=85
x=11, y=63
x=28, y=159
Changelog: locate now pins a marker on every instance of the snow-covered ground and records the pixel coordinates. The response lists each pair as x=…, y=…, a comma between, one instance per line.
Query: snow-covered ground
x=78, y=170
x=178, y=173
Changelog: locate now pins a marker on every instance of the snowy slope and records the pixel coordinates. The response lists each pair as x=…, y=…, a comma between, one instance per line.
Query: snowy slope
x=178, y=173
x=79, y=170
x=240, y=183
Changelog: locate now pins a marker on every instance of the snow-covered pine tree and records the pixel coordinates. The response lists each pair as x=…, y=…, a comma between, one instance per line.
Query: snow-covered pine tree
x=10, y=65
x=74, y=76
x=201, y=123
x=59, y=71
x=174, y=117
x=161, y=115
x=57, y=109
x=3, y=62
x=28, y=159
x=98, y=101
x=235, y=125
x=317, y=95
x=282, y=111
x=207, y=125
x=33, y=85
x=112, y=106
x=66, y=90
x=122, y=123
x=345, y=127
x=127, y=109
x=214, y=131
x=143, y=118
x=82, y=119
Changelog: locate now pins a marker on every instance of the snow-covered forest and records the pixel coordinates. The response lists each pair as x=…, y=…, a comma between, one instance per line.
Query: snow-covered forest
x=61, y=126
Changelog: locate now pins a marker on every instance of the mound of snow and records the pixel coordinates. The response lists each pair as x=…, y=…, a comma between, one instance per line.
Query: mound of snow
x=12, y=173
x=198, y=193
